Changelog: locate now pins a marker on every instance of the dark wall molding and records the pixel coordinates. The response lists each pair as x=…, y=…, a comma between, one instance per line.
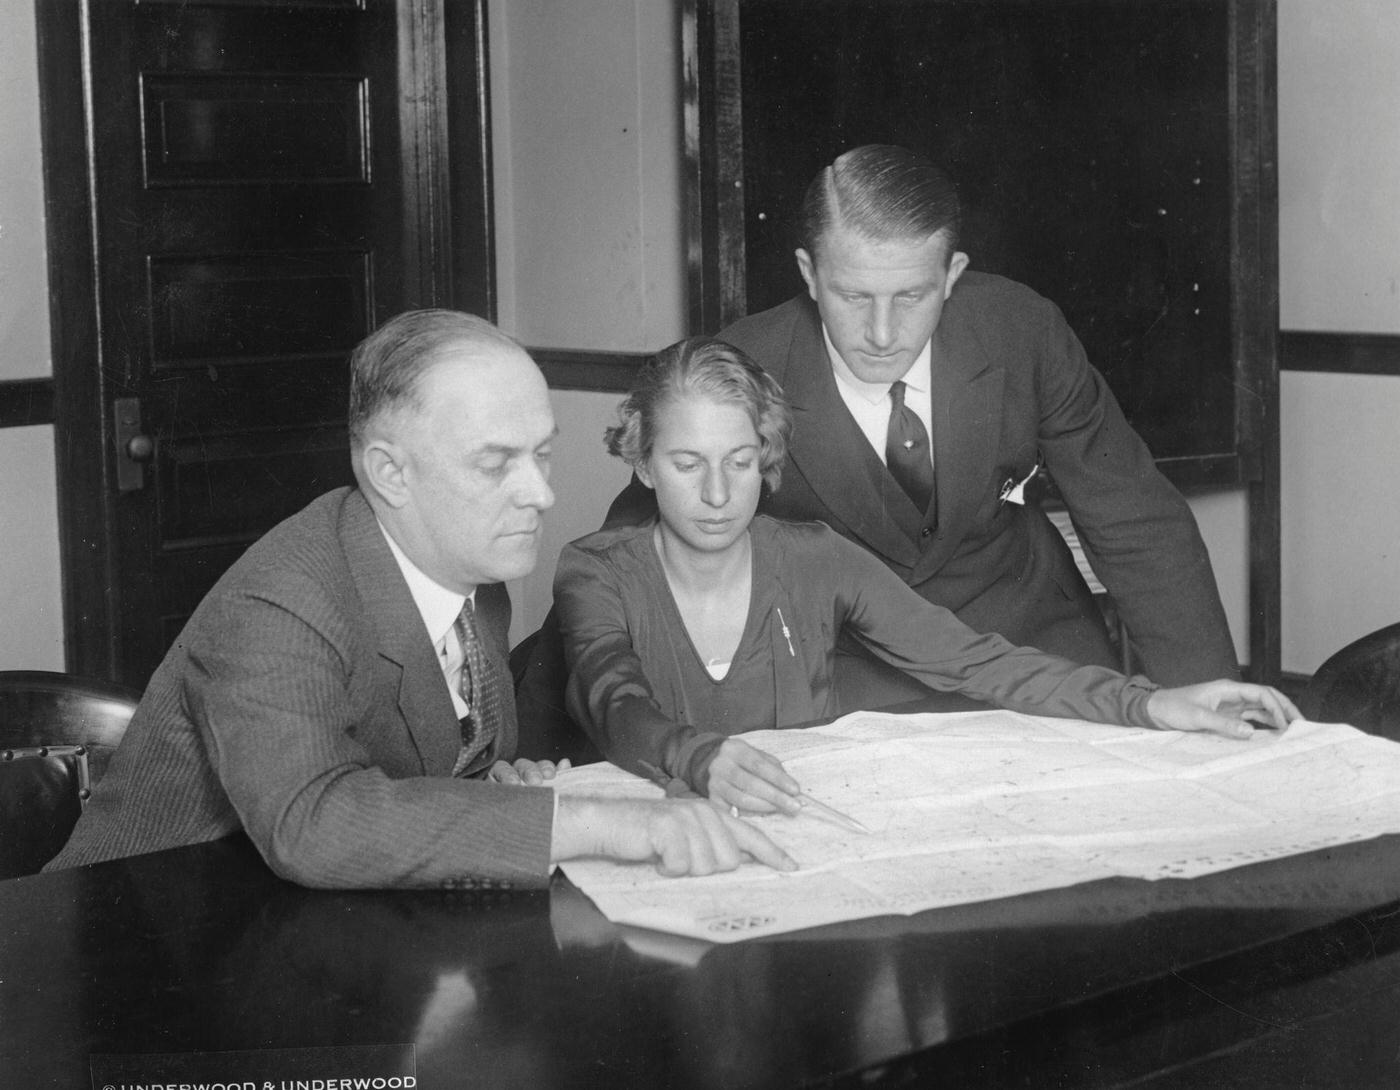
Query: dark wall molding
x=576, y=369
x=1342, y=353
x=26, y=401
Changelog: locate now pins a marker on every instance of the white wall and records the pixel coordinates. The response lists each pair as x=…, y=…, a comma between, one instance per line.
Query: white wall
x=31, y=605
x=1341, y=511
x=1339, y=165
x=1223, y=516
x=31, y=596
x=587, y=154
x=585, y=481
x=587, y=142
x=1339, y=251
x=24, y=305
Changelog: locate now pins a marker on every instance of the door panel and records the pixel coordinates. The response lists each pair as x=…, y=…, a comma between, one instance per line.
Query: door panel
x=262, y=175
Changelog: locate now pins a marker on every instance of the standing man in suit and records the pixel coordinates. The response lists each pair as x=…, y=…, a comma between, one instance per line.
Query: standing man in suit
x=341, y=693
x=992, y=373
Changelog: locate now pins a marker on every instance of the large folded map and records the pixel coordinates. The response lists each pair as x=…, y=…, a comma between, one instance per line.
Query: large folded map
x=982, y=805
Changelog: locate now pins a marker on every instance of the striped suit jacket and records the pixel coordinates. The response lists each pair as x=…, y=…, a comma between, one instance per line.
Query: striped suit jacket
x=304, y=704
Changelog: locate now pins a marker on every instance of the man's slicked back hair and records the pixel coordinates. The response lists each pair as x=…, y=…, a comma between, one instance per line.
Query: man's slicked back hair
x=386, y=368
x=882, y=192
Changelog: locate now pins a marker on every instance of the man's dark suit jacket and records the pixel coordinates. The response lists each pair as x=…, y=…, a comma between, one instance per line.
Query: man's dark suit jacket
x=304, y=703
x=1010, y=384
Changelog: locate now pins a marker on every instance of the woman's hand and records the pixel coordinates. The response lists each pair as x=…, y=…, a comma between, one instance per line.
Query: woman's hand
x=1231, y=708
x=749, y=779
x=526, y=772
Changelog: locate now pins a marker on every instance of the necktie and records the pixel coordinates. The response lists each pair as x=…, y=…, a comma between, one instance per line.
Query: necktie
x=906, y=450
x=479, y=686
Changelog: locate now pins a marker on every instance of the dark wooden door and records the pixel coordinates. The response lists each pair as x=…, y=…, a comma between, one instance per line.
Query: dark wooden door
x=268, y=182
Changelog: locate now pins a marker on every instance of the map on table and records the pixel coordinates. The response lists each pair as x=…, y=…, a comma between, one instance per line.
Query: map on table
x=975, y=806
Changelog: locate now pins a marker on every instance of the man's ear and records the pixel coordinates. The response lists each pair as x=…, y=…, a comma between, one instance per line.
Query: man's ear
x=956, y=267
x=808, y=269
x=382, y=471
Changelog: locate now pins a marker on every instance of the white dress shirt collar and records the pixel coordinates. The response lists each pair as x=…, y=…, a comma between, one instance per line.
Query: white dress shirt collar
x=869, y=402
x=438, y=606
x=919, y=377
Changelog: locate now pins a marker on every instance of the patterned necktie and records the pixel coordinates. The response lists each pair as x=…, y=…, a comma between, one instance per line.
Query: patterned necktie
x=906, y=450
x=479, y=686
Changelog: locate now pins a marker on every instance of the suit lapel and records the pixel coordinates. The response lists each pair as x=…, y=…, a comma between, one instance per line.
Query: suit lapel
x=967, y=406
x=403, y=643
x=832, y=454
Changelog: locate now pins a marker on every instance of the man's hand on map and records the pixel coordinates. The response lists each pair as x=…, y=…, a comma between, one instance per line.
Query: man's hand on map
x=1231, y=708
x=681, y=836
x=525, y=772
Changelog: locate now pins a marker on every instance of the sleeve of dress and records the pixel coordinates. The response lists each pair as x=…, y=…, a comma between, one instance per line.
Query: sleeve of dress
x=607, y=691
x=1139, y=532
x=929, y=643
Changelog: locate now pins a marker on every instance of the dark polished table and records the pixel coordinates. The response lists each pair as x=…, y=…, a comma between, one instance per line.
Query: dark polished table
x=1279, y=974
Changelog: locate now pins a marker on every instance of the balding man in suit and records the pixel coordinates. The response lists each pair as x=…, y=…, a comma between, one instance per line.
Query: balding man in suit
x=341, y=694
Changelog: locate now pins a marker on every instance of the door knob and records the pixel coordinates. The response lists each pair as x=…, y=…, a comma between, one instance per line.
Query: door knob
x=139, y=448
x=133, y=447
